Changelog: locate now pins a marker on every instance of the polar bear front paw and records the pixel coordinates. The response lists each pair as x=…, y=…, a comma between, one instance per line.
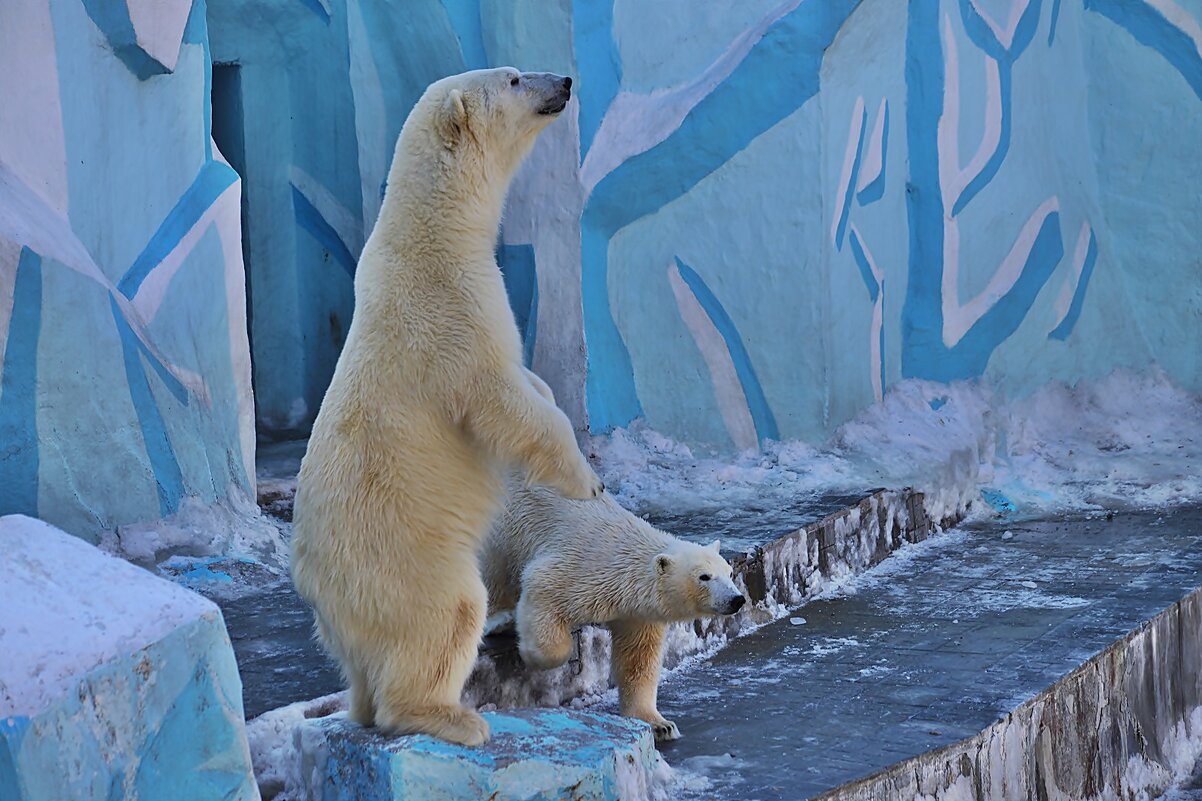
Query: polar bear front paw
x=578, y=482
x=665, y=730
x=587, y=486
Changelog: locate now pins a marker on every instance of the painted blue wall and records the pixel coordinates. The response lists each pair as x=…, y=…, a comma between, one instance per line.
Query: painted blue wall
x=757, y=217
x=124, y=377
x=752, y=221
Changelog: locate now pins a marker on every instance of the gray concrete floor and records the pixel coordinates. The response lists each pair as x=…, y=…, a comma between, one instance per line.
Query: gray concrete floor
x=929, y=648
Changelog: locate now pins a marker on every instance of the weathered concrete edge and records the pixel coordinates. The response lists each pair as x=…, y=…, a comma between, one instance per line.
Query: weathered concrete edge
x=778, y=576
x=1125, y=724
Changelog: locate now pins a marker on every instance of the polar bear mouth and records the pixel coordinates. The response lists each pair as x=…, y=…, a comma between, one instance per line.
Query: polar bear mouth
x=555, y=105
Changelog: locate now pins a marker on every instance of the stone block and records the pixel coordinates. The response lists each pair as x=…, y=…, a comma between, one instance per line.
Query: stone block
x=114, y=683
x=533, y=754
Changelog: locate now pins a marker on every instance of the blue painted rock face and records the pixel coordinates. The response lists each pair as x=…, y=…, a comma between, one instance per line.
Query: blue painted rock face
x=533, y=753
x=115, y=683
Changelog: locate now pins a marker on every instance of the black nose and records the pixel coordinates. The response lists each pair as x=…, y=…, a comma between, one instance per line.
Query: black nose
x=737, y=602
x=567, y=83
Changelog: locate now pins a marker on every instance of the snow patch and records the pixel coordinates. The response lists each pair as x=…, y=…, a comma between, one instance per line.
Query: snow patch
x=1125, y=441
x=233, y=529
x=69, y=608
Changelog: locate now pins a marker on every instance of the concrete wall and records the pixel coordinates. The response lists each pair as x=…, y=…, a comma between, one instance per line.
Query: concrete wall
x=758, y=216
x=124, y=370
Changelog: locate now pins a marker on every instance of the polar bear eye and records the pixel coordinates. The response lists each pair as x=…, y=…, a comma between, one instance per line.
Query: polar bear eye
x=514, y=80
x=704, y=577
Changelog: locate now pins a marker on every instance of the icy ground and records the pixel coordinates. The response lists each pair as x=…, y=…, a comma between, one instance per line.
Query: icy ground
x=1189, y=790
x=928, y=648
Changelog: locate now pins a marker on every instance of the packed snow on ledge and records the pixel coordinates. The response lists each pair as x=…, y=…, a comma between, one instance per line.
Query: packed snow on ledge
x=1127, y=440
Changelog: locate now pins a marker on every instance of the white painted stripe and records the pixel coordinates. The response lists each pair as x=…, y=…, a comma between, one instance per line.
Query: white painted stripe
x=370, y=117
x=159, y=27
x=32, y=144
x=228, y=222
x=10, y=255
x=25, y=217
x=959, y=318
x=874, y=346
x=952, y=179
x=1180, y=19
x=849, y=160
x=873, y=159
x=337, y=215
x=1004, y=33
x=635, y=123
x=153, y=289
x=1064, y=300
x=876, y=271
x=728, y=390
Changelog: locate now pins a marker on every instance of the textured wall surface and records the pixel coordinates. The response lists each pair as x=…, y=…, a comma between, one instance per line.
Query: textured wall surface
x=124, y=369
x=752, y=221
x=757, y=216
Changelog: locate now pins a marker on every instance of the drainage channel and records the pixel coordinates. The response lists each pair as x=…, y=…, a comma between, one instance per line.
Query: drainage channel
x=947, y=666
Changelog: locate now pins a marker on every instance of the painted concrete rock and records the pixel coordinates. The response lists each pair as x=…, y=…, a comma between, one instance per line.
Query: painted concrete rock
x=114, y=683
x=533, y=754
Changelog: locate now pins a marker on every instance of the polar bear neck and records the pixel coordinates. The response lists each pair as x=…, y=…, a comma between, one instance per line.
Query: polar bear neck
x=448, y=198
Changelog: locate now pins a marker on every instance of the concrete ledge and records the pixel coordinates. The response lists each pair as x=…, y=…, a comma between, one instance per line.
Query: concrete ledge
x=1125, y=724
x=533, y=754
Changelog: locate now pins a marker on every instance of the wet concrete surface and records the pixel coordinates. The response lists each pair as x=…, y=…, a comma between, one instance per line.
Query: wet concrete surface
x=279, y=660
x=932, y=646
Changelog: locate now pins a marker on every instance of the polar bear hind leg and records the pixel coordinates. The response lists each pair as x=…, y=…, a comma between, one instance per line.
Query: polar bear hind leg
x=420, y=692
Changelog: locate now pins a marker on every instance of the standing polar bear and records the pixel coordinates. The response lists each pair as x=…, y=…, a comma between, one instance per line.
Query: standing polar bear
x=557, y=564
x=428, y=404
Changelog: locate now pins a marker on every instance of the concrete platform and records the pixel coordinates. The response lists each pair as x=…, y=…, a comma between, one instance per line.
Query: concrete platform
x=1059, y=659
x=114, y=683
x=533, y=754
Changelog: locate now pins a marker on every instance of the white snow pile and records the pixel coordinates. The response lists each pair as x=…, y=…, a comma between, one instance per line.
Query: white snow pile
x=274, y=752
x=1182, y=750
x=68, y=608
x=232, y=529
x=1128, y=440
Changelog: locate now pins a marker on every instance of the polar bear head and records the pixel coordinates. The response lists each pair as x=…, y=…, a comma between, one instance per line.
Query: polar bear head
x=496, y=113
x=695, y=580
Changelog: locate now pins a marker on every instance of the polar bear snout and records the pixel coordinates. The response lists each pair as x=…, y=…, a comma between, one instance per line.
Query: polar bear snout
x=725, y=597
x=555, y=90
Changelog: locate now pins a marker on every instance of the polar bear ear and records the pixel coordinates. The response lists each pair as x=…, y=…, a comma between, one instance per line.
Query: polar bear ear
x=663, y=563
x=716, y=546
x=454, y=117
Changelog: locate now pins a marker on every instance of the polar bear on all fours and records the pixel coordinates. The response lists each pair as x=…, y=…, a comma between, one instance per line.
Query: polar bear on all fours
x=552, y=564
x=428, y=405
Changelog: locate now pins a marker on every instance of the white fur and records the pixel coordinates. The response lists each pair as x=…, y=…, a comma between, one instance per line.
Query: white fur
x=428, y=404
x=559, y=564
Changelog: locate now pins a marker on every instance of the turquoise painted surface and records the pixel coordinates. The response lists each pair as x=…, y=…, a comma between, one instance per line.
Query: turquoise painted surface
x=867, y=191
x=164, y=722
x=793, y=156
x=128, y=343
x=533, y=753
